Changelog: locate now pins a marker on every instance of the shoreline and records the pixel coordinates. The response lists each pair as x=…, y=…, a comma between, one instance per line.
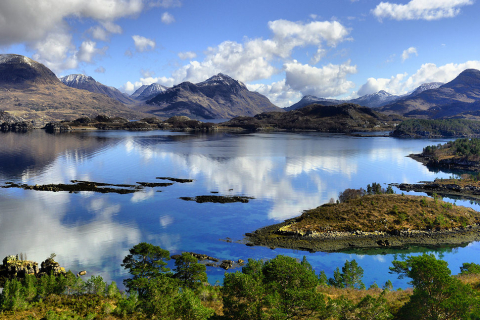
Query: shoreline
x=272, y=237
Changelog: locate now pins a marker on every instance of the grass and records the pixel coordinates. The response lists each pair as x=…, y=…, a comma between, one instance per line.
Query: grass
x=385, y=212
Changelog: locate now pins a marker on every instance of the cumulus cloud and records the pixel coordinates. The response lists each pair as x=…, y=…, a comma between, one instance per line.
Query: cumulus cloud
x=328, y=81
x=88, y=51
x=252, y=59
x=428, y=72
x=406, y=53
x=167, y=18
x=420, y=9
x=187, y=55
x=143, y=44
x=23, y=21
x=278, y=93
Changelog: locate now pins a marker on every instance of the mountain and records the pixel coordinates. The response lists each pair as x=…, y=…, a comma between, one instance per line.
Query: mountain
x=345, y=117
x=145, y=92
x=458, y=98
x=306, y=100
x=424, y=87
x=219, y=97
x=30, y=90
x=375, y=100
x=81, y=81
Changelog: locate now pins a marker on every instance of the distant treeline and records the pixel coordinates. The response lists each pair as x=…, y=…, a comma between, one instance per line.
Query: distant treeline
x=420, y=128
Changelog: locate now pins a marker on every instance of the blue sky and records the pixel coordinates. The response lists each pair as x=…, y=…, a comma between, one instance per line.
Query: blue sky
x=282, y=49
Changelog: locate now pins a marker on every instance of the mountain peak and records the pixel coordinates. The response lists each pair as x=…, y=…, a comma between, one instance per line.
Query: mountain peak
x=76, y=78
x=221, y=79
x=19, y=70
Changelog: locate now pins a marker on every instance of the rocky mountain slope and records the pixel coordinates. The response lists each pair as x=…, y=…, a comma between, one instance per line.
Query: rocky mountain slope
x=457, y=98
x=145, y=92
x=219, y=97
x=81, y=81
x=30, y=90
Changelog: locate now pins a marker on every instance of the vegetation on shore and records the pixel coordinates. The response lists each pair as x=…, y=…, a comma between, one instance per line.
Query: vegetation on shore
x=460, y=149
x=422, y=128
x=280, y=288
x=360, y=210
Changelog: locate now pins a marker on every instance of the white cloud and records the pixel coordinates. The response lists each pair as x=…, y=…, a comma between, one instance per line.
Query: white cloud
x=428, y=72
x=102, y=32
x=147, y=73
x=100, y=70
x=406, y=53
x=278, y=93
x=420, y=9
x=57, y=52
x=189, y=55
x=167, y=18
x=88, y=51
x=328, y=81
x=143, y=44
x=252, y=60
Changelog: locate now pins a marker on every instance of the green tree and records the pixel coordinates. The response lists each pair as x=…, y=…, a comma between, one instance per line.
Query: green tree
x=189, y=307
x=190, y=273
x=350, y=277
x=145, y=262
x=470, y=268
x=291, y=289
x=159, y=298
x=243, y=294
x=436, y=294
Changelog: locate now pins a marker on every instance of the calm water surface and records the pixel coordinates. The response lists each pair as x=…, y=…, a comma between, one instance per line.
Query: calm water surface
x=286, y=173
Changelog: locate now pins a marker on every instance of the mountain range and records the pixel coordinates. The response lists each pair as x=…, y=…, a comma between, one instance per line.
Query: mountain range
x=458, y=98
x=146, y=92
x=373, y=100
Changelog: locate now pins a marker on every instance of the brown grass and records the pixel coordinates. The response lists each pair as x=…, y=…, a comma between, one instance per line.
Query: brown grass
x=385, y=212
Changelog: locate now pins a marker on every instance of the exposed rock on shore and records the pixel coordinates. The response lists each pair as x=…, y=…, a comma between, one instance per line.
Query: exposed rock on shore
x=373, y=221
x=218, y=199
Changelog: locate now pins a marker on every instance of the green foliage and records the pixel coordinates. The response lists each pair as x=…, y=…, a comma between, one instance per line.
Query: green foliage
x=145, y=262
x=281, y=288
x=189, y=307
x=159, y=298
x=350, y=277
x=470, y=268
x=13, y=296
x=388, y=286
x=322, y=279
x=127, y=305
x=430, y=128
x=96, y=285
x=436, y=294
x=112, y=291
x=374, y=285
x=190, y=273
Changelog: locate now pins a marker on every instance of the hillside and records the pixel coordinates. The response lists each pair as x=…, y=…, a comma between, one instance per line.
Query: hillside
x=219, y=97
x=340, y=118
x=145, y=92
x=457, y=98
x=30, y=90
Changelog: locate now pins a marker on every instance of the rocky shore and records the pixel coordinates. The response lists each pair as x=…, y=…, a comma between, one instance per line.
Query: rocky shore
x=444, y=188
x=274, y=237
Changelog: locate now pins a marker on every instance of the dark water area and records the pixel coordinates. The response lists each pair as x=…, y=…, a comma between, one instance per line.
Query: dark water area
x=285, y=173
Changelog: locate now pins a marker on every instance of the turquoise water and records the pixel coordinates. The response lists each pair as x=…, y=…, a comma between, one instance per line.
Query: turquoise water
x=286, y=173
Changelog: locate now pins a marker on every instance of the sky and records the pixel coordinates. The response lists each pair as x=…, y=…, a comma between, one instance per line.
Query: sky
x=283, y=49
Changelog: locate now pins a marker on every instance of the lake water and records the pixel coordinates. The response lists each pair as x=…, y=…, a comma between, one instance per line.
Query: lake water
x=286, y=173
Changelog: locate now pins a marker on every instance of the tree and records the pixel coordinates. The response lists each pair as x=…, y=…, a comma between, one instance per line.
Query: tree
x=190, y=273
x=243, y=294
x=470, y=268
x=436, y=294
x=350, y=277
x=145, y=262
x=189, y=307
x=291, y=289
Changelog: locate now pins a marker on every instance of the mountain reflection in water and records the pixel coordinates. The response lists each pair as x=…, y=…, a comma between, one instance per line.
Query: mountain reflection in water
x=286, y=173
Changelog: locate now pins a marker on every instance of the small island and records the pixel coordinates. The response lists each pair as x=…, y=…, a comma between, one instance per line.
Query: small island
x=373, y=219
